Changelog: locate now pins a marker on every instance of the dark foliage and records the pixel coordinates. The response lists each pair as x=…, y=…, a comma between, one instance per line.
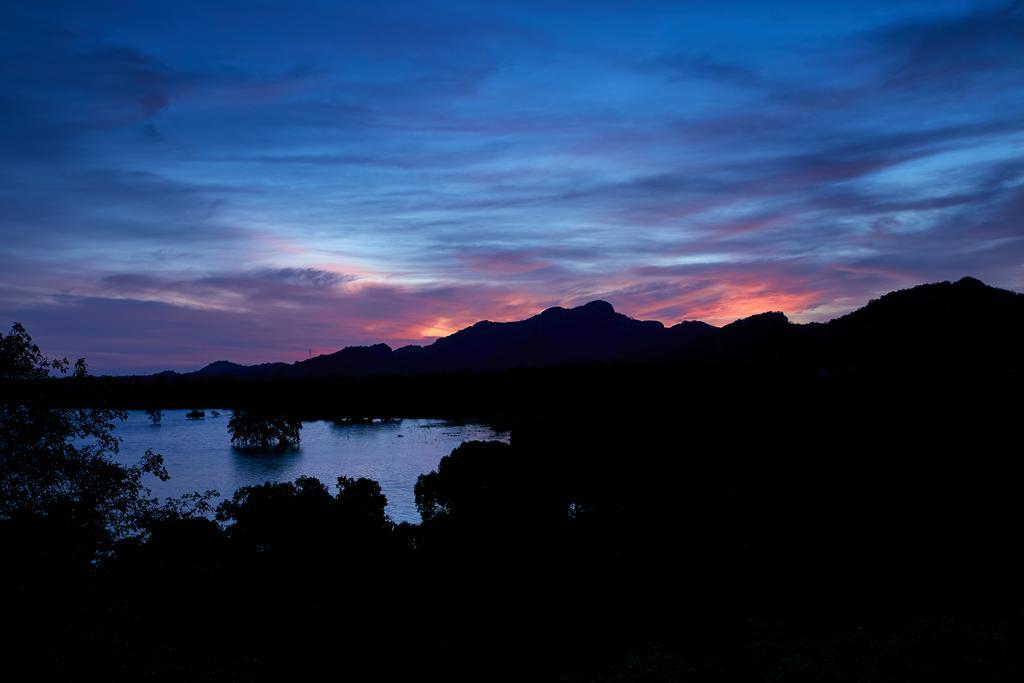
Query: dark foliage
x=768, y=536
x=55, y=460
x=263, y=430
x=466, y=484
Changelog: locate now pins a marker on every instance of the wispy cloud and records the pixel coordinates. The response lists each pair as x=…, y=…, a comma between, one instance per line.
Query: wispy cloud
x=252, y=184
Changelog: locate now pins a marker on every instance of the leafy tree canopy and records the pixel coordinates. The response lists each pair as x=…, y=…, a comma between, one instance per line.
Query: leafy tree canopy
x=263, y=431
x=55, y=460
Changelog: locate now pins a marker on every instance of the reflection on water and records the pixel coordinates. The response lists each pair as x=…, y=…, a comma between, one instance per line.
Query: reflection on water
x=199, y=456
x=257, y=466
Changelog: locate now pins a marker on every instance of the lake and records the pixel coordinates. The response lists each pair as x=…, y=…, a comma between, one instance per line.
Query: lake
x=199, y=456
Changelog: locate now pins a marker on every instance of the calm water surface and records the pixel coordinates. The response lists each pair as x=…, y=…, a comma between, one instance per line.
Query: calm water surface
x=199, y=456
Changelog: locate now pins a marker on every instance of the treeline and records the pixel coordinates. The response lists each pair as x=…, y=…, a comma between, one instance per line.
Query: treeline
x=563, y=390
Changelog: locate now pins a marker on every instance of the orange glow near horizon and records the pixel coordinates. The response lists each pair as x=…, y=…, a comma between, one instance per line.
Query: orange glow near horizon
x=746, y=300
x=718, y=306
x=440, y=327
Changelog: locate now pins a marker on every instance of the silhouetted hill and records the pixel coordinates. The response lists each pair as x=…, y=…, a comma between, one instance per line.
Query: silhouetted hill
x=593, y=332
x=227, y=368
x=222, y=367
x=588, y=333
x=350, y=360
x=963, y=323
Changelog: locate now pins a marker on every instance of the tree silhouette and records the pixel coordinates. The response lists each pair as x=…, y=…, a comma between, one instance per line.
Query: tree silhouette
x=155, y=416
x=55, y=460
x=262, y=431
x=361, y=501
x=469, y=482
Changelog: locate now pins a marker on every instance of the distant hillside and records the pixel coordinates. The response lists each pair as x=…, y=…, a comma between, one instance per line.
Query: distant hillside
x=963, y=324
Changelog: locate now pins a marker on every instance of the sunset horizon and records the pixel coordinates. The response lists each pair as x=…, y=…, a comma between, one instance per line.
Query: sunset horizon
x=203, y=181
x=440, y=329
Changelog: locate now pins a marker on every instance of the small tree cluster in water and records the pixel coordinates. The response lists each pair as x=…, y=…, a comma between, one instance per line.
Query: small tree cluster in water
x=263, y=431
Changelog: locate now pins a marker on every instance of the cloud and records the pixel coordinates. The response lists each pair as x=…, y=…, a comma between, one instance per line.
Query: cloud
x=984, y=41
x=136, y=322
x=329, y=174
x=308, y=276
x=682, y=66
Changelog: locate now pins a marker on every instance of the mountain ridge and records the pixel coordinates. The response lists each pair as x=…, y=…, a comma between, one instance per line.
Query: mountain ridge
x=916, y=320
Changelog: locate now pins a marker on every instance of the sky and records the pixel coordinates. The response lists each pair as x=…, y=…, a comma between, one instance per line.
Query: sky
x=188, y=181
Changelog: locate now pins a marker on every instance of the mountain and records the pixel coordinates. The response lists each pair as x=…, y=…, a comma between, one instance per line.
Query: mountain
x=936, y=324
x=224, y=367
x=593, y=332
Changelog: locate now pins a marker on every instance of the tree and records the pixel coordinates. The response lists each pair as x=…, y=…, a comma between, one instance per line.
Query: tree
x=301, y=519
x=361, y=501
x=56, y=471
x=263, y=431
x=155, y=416
x=279, y=515
x=473, y=482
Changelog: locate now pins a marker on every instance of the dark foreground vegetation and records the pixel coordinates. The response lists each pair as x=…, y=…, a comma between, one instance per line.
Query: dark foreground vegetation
x=712, y=522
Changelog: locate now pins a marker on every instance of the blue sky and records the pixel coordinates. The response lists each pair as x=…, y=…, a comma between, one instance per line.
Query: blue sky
x=183, y=182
